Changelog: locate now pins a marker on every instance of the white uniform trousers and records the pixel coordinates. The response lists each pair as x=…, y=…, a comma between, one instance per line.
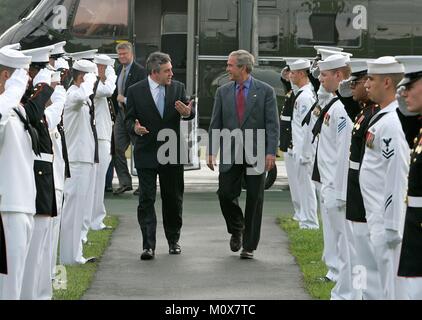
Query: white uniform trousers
x=77, y=200
x=343, y=290
x=86, y=225
x=99, y=211
x=18, y=228
x=412, y=288
x=292, y=177
x=55, y=230
x=37, y=283
x=387, y=260
x=329, y=254
x=308, y=201
x=365, y=266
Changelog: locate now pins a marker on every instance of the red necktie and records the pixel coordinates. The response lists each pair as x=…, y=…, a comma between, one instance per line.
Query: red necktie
x=240, y=103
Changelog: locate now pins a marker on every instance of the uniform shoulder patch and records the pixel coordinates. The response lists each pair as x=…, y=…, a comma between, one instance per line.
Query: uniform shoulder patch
x=342, y=124
x=387, y=151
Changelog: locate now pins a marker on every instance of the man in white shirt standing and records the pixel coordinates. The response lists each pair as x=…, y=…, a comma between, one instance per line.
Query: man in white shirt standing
x=80, y=140
x=383, y=173
x=104, y=125
x=17, y=164
x=303, y=149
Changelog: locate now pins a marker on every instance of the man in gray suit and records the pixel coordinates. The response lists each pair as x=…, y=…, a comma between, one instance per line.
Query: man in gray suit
x=245, y=127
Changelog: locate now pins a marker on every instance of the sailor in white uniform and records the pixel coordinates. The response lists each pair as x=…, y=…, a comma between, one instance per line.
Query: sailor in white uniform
x=383, y=173
x=17, y=164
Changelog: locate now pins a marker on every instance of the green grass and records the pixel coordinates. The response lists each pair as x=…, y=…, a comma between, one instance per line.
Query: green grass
x=307, y=246
x=79, y=277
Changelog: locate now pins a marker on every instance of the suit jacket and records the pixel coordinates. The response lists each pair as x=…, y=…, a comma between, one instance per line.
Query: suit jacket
x=260, y=113
x=141, y=106
x=136, y=74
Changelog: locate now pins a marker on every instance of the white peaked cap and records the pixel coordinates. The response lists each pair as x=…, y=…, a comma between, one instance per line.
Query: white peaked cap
x=412, y=68
x=300, y=64
x=336, y=49
x=104, y=60
x=333, y=62
x=14, y=59
x=358, y=65
x=385, y=65
x=85, y=66
x=39, y=54
x=59, y=48
x=327, y=53
x=89, y=54
x=14, y=46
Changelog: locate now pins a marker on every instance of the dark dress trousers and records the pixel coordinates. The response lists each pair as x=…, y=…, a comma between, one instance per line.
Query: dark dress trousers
x=260, y=113
x=141, y=107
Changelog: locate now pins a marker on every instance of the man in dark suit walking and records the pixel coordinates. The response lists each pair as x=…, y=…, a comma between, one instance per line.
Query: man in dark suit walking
x=155, y=104
x=246, y=108
x=128, y=73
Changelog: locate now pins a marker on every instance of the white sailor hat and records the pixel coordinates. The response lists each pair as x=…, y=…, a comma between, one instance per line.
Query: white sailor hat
x=103, y=59
x=14, y=59
x=14, y=46
x=325, y=53
x=88, y=55
x=85, y=66
x=336, y=49
x=300, y=64
x=333, y=62
x=359, y=68
x=385, y=65
x=58, y=49
x=39, y=55
x=412, y=69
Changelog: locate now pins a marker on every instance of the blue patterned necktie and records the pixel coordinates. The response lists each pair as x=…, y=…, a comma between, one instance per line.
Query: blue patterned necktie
x=160, y=100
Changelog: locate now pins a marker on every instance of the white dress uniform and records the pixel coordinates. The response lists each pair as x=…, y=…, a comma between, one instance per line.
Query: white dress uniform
x=383, y=181
x=104, y=130
x=78, y=190
x=333, y=164
x=53, y=115
x=17, y=162
x=329, y=254
x=304, y=154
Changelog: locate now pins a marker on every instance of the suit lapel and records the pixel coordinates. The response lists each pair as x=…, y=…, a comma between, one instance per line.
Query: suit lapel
x=168, y=99
x=232, y=103
x=250, y=101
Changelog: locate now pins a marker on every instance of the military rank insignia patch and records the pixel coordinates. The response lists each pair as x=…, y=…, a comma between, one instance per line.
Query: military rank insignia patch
x=327, y=119
x=387, y=151
x=342, y=124
x=370, y=137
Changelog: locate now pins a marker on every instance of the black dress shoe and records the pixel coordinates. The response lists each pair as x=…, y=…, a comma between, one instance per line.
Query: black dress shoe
x=136, y=192
x=147, y=254
x=174, y=248
x=121, y=190
x=236, y=242
x=91, y=260
x=246, y=254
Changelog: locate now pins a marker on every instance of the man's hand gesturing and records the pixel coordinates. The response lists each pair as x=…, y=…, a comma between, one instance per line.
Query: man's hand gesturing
x=140, y=130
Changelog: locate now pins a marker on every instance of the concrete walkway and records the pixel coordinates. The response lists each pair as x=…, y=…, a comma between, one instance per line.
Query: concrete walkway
x=206, y=269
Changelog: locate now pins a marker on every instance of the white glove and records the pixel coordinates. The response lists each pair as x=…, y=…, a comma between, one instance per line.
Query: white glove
x=315, y=71
x=61, y=64
x=19, y=80
x=109, y=72
x=304, y=160
x=344, y=89
x=56, y=77
x=59, y=95
x=340, y=203
x=393, y=238
x=285, y=73
x=90, y=78
x=402, y=103
x=43, y=76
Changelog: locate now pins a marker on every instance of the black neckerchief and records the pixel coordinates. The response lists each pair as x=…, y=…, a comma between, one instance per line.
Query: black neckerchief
x=92, y=121
x=318, y=125
x=31, y=130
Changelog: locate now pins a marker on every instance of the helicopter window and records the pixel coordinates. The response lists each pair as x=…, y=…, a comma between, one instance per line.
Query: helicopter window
x=268, y=32
x=101, y=18
x=326, y=29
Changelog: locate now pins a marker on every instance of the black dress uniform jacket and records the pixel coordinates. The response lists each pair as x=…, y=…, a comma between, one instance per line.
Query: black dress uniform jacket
x=3, y=260
x=355, y=210
x=411, y=251
x=286, y=141
x=43, y=170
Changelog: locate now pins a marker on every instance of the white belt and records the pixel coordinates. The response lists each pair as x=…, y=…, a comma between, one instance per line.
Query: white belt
x=354, y=165
x=414, y=202
x=45, y=157
x=284, y=118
